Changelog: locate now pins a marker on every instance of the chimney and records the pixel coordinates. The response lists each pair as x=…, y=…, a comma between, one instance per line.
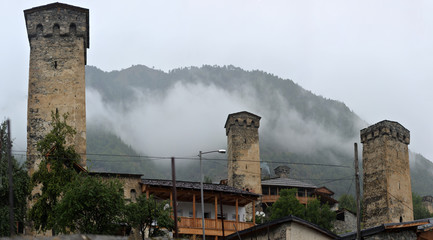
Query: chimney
x=282, y=171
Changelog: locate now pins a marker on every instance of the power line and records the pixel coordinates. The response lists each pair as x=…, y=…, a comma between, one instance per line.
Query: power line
x=144, y=157
x=403, y=203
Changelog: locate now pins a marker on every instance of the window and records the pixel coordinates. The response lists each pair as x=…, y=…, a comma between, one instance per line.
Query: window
x=265, y=190
x=133, y=195
x=207, y=215
x=301, y=193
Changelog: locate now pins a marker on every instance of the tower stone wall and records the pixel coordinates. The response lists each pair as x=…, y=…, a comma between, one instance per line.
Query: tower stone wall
x=59, y=37
x=243, y=151
x=387, y=186
x=427, y=202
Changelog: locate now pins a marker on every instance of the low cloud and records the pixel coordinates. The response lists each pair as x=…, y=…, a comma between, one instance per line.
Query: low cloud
x=191, y=117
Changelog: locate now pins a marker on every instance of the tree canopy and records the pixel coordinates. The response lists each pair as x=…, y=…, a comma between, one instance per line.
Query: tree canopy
x=286, y=205
x=20, y=183
x=348, y=202
x=315, y=212
x=419, y=210
x=54, y=173
x=90, y=205
x=149, y=214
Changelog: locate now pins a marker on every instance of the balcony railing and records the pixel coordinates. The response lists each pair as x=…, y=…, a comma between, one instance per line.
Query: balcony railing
x=213, y=227
x=274, y=198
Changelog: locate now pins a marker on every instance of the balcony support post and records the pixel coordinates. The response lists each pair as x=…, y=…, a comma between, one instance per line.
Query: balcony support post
x=254, y=211
x=237, y=210
x=193, y=211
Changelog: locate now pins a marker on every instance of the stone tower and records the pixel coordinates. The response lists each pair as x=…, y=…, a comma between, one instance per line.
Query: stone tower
x=243, y=151
x=59, y=37
x=385, y=161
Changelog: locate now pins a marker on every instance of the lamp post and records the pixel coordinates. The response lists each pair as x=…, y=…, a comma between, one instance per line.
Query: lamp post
x=201, y=185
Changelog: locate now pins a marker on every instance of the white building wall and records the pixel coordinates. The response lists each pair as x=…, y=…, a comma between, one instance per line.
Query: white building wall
x=184, y=209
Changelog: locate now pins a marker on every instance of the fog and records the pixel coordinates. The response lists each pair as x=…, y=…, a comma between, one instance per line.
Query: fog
x=191, y=117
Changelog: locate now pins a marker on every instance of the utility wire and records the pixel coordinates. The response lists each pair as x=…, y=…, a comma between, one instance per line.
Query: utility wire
x=143, y=158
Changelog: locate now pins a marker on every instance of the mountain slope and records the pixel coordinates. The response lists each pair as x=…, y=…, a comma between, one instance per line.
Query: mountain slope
x=183, y=111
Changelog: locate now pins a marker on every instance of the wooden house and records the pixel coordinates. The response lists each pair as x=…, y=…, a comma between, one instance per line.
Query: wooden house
x=224, y=206
x=305, y=191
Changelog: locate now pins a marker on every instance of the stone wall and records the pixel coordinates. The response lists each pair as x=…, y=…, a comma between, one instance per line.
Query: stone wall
x=58, y=37
x=387, y=187
x=427, y=202
x=243, y=154
x=131, y=184
x=243, y=151
x=347, y=225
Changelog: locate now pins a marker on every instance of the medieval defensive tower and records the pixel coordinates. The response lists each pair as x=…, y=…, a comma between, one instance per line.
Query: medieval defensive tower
x=385, y=161
x=243, y=151
x=59, y=37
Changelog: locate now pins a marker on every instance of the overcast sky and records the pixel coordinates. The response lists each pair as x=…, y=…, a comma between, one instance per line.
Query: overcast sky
x=375, y=56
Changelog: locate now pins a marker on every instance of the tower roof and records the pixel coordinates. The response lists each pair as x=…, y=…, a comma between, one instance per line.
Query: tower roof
x=59, y=6
x=386, y=127
x=243, y=118
x=240, y=114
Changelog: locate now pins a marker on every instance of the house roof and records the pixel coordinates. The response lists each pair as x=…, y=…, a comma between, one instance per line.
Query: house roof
x=79, y=168
x=326, y=197
x=113, y=174
x=325, y=190
x=287, y=182
x=420, y=225
x=196, y=186
x=280, y=221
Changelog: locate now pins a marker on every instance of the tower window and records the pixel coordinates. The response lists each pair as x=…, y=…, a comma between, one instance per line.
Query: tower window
x=39, y=30
x=73, y=29
x=55, y=64
x=56, y=29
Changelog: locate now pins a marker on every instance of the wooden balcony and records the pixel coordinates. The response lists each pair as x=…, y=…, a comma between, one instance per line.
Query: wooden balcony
x=213, y=227
x=274, y=198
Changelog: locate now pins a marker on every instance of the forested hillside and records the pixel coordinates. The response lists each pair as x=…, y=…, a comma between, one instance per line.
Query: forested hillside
x=148, y=112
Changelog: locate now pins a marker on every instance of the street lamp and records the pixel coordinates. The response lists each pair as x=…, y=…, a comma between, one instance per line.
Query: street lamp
x=201, y=185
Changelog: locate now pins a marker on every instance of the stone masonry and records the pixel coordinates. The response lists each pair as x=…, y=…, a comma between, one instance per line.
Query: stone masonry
x=427, y=202
x=387, y=188
x=243, y=153
x=59, y=37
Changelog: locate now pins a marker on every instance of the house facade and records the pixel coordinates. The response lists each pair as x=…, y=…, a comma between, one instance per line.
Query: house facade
x=224, y=206
x=286, y=228
x=305, y=192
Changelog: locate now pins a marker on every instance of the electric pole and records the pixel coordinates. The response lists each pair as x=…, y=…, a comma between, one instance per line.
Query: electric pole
x=358, y=202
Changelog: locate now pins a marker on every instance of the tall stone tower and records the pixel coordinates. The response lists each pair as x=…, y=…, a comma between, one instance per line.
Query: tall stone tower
x=385, y=161
x=59, y=37
x=243, y=151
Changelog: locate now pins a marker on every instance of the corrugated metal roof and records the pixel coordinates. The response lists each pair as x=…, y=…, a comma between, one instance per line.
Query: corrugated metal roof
x=246, y=233
x=196, y=186
x=286, y=182
x=420, y=225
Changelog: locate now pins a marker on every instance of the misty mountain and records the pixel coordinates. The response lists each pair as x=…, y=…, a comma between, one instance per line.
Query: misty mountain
x=148, y=112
